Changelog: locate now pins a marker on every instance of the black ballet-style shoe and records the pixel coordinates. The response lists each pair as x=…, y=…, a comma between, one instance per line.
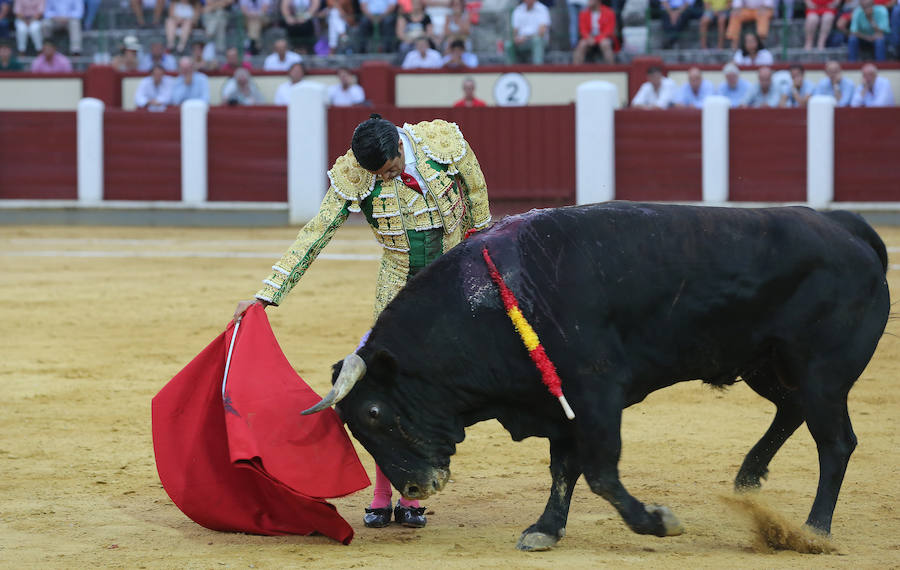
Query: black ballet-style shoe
x=377, y=518
x=413, y=517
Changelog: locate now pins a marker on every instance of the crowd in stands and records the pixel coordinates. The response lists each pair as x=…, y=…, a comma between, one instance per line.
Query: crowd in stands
x=435, y=33
x=790, y=90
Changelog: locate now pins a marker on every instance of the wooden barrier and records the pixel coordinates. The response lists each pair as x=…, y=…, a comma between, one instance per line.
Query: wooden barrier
x=866, y=142
x=39, y=156
x=767, y=159
x=142, y=155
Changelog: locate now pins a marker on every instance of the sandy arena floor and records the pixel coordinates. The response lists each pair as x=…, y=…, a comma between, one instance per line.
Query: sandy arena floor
x=96, y=320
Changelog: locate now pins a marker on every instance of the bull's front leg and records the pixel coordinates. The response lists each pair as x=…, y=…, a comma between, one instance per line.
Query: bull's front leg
x=565, y=469
x=600, y=445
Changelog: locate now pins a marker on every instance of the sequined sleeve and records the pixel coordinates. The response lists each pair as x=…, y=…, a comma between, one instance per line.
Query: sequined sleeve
x=312, y=238
x=476, y=189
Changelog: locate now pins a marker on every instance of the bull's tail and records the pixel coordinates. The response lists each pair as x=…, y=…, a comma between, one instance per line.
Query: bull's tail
x=855, y=224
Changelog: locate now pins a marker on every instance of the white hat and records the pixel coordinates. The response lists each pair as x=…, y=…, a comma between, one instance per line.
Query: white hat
x=131, y=43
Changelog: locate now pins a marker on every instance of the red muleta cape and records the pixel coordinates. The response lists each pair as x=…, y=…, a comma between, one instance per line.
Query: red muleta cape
x=242, y=458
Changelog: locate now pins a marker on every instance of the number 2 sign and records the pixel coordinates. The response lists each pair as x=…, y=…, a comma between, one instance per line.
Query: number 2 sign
x=512, y=90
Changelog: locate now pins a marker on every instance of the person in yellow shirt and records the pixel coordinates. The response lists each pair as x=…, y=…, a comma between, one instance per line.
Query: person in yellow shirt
x=714, y=10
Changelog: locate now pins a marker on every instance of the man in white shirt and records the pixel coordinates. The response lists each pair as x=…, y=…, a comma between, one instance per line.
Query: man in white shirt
x=346, y=93
x=874, y=91
x=423, y=57
x=657, y=92
x=154, y=92
x=295, y=75
x=281, y=59
x=531, y=32
x=65, y=14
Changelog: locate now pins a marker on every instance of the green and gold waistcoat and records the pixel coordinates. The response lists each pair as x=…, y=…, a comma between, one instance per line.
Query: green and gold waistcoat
x=413, y=229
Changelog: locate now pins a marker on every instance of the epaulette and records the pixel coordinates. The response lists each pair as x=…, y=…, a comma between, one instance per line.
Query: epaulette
x=350, y=180
x=440, y=140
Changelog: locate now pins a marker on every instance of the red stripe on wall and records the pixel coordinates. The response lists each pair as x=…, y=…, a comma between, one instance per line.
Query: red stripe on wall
x=767, y=155
x=142, y=155
x=247, y=154
x=866, y=144
x=39, y=155
x=659, y=155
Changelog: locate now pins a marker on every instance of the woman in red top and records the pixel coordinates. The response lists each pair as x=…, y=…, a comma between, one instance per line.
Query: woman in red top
x=597, y=28
x=819, y=12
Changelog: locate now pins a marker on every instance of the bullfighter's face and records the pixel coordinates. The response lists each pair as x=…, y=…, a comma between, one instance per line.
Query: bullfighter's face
x=411, y=443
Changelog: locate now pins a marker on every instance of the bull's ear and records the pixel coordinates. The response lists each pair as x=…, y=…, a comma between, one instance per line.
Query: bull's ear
x=383, y=365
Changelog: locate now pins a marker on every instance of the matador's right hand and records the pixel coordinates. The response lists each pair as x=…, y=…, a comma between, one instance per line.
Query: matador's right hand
x=242, y=307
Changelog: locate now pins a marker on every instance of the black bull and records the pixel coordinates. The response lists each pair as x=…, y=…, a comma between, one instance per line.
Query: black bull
x=627, y=299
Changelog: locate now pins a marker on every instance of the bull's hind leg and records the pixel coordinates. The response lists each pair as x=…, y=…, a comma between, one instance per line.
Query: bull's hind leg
x=788, y=417
x=565, y=469
x=829, y=424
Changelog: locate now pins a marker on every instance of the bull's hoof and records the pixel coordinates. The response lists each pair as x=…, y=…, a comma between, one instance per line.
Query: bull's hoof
x=671, y=525
x=537, y=541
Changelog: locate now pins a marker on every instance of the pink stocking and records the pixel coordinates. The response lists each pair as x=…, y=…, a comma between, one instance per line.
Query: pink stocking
x=382, y=497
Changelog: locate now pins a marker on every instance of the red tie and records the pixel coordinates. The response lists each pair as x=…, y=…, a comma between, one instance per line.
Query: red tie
x=410, y=182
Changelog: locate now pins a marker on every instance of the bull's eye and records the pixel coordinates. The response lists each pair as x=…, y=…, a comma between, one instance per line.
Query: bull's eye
x=374, y=412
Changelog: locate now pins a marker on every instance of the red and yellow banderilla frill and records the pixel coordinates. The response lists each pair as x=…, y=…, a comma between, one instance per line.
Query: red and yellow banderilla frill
x=532, y=343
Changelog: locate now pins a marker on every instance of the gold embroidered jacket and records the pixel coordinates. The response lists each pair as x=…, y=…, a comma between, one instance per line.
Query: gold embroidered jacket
x=455, y=201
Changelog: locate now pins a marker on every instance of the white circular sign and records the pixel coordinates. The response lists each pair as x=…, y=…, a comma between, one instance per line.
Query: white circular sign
x=512, y=90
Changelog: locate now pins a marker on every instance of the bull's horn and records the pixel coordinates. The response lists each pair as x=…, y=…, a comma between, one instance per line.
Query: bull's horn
x=352, y=370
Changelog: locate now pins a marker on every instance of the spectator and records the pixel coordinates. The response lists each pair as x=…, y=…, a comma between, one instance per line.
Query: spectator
x=190, y=84
x=298, y=21
x=531, y=32
x=138, y=7
x=295, y=75
x=154, y=92
x=157, y=56
x=868, y=28
x=241, y=90
x=342, y=21
x=378, y=23
x=127, y=60
x=204, y=56
x=8, y=61
x=676, y=15
x=469, y=99
x=413, y=25
x=744, y=10
x=459, y=25
x=215, y=21
x=458, y=58
x=347, y=92
x=597, y=26
x=50, y=60
x=233, y=61
x=28, y=23
x=799, y=91
x=753, y=52
x=183, y=16
x=658, y=92
x=695, y=91
x=714, y=10
x=281, y=59
x=764, y=94
x=835, y=85
x=895, y=28
x=65, y=14
x=90, y=13
x=256, y=17
x=5, y=11
x=734, y=87
x=874, y=91
x=423, y=57
x=846, y=14
x=574, y=8
x=820, y=15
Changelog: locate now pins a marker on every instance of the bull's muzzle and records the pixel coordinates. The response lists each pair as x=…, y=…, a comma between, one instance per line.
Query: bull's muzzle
x=352, y=369
x=433, y=482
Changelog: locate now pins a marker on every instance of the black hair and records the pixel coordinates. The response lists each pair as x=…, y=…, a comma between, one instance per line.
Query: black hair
x=759, y=43
x=458, y=43
x=797, y=66
x=654, y=69
x=375, y=141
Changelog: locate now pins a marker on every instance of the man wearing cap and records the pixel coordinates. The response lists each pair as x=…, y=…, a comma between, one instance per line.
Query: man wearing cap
x=421, y=189
x=127, y=61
